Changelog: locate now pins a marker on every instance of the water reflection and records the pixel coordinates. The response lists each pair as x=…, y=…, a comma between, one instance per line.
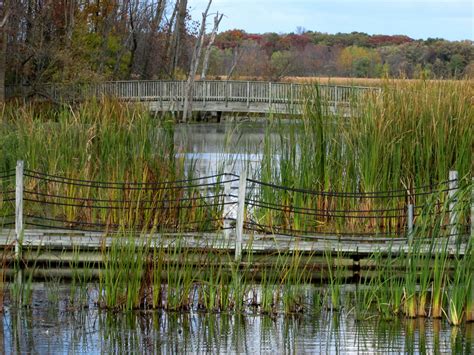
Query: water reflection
x=48, y=327
x=211, y=148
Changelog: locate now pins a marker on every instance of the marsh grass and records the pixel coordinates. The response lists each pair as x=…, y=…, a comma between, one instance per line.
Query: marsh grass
x=409, y=135
x=336, y=277
x=82, y=276
x=21, y=290
x=101, y=141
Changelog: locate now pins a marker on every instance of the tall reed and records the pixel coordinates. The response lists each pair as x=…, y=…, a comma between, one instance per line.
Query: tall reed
x=409, y=135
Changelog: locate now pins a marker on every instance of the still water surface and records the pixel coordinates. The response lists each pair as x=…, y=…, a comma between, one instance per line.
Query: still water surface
x=210, y=148
x=52, y=326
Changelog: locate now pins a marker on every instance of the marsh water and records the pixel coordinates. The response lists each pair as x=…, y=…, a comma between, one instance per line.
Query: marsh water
x=210, y=148
x=52, y=325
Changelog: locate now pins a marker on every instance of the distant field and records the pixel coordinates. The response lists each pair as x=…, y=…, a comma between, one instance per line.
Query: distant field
x=358, y=81
x=337, y=80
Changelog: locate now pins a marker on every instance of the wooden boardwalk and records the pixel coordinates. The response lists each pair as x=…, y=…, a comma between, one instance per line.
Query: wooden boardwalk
x=34, y=238
x=210, y=96
x=251, y=243
x=54, y=254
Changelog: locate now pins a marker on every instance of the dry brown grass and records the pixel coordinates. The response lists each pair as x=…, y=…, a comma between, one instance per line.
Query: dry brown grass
x=308, y=80
x=325, y=80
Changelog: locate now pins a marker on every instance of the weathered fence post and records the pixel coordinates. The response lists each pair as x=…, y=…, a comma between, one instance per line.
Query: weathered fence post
x=470, y=309
x=226, y=209
x=182, y=94
x=270, y=94
x=226, y=89
x=410, y=217
x=18, y=207
x=248, y=94
x=18, y=218
x=291, y=99
x=239, y=225
x=452, y=195
x=161, y=93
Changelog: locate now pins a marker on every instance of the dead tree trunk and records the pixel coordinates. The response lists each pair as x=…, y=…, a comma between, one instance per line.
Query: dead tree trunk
x=188, y=91
x=205, y=63
x=236, y=54
x=4, y=13
x=178, y=33
x=133, y=19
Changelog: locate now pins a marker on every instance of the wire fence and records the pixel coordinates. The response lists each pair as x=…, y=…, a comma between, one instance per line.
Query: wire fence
x=187, y=205
x=7, y=198
x=277, y=209
x=209, y=204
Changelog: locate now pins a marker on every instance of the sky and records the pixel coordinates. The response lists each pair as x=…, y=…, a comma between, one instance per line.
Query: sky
x=419, y=19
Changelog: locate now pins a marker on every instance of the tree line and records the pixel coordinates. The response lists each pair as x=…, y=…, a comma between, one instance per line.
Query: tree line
x=95, y=40
x=307, y=53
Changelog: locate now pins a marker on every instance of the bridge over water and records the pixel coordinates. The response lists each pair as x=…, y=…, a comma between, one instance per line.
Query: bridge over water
x=211, y=96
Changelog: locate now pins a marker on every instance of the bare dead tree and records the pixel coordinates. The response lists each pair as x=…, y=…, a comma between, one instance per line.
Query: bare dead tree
x=5, y=13
x=205, y=64
x=133, y=19
x=178, y=33
x=170, y=37
x=188, y=91
x=236, y=55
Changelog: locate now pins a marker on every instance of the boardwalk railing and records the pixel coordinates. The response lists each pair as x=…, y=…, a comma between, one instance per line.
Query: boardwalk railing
x=231, y=205
x=204, y=92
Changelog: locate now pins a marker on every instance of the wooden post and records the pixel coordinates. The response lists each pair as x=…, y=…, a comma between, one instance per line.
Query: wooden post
x=226, y=209
x=410, y=218
x=239, y=226
x=18, y=207
x=470, y=308
x=18, y=219
x=248, y=94
x=204, y=92
x=291, y=98
x=269, y=94
x=226, y=93
x=452, y=195
x=161, y=93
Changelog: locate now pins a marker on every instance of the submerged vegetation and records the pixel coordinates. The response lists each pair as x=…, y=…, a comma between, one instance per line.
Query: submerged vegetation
x=113, y=167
